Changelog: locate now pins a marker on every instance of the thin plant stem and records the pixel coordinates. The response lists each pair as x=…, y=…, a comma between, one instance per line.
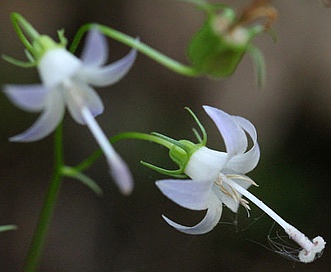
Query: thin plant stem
x=121, y=136
x=33, y=258
x=140, y=46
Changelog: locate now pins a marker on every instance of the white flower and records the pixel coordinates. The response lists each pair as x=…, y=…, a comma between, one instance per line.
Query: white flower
x=66, y=82
x=218, y=178
x=208, y=168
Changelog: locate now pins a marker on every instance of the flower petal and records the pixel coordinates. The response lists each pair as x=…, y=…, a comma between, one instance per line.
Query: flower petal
x=119, y=170
x=246, y=162
x=27, y=97
x=234, y=137
x=121, y=174
x=110, y=74
x=58, y=66
x=79, y=95
x=210, y=220
x=47, y=122
x=189, y=194
x=95, y=51
x=205, y=164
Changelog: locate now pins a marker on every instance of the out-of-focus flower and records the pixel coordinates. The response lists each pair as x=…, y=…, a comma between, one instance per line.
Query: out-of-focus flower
x=66, y=82
x=219, y=45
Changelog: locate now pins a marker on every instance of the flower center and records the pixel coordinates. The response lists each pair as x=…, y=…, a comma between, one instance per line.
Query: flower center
x=230, y=191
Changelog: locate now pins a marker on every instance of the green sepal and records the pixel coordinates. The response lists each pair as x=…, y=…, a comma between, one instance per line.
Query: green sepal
x=7, y=228
x=36, y=45
x=213, y=51
x=209, y=52
x=19, y=63
x=259, y=65
x=179, y=173
x=87, y=181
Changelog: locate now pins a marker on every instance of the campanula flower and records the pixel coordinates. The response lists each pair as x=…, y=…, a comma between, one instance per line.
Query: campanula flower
x=66, y=83
x=208, y=169
x=219, y=179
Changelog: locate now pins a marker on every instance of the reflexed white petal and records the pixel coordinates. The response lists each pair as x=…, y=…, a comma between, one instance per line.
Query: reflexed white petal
x=189, y=194
x=205, y=164
x=79, y=95
x=47, y=122
x=57, y=66
x=246, y=162
x=95, y=51
x=210, y=220
x=234, y=137
x=27, y=97
x=118, y=167
x=110, y=74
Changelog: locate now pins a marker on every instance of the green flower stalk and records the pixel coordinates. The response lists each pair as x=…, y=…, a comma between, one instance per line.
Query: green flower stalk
x=217, y=48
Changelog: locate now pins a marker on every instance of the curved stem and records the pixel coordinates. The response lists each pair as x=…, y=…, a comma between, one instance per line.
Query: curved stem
x=121, y=136
x=38, y=240
x=135, y=43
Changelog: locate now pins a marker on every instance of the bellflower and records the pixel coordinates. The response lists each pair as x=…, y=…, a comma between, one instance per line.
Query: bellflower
x=219, y=179
x=66, y=83
x=208, y=169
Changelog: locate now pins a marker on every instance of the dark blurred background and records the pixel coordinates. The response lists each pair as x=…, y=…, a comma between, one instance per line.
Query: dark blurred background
x=292, y=115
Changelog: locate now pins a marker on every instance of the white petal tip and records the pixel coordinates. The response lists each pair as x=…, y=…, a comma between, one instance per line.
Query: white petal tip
x=14, y=139
x=125, y=187
x=122, y=177
x=21, y=139
x=194, y=230
x=315, y=252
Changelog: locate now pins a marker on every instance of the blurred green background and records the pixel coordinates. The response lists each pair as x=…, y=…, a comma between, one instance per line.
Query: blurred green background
x=292, y=115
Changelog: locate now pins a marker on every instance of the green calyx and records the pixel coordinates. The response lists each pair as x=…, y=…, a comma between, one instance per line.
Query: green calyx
x=36, y=45
x=180, y=151
x=43, y=44
x=219, y=45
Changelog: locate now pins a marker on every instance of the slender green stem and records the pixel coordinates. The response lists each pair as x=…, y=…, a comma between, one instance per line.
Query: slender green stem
x=121, y=136
x=135, y=43
x=38, y=241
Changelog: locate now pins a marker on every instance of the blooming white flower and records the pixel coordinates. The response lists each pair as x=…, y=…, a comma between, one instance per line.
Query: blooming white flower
x=219, y=178
x=66, y=82
x=208, y=169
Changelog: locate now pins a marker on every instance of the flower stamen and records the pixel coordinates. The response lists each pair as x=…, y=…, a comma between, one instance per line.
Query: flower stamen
x=234, y=194
x=241, y=177
x=219, y=182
